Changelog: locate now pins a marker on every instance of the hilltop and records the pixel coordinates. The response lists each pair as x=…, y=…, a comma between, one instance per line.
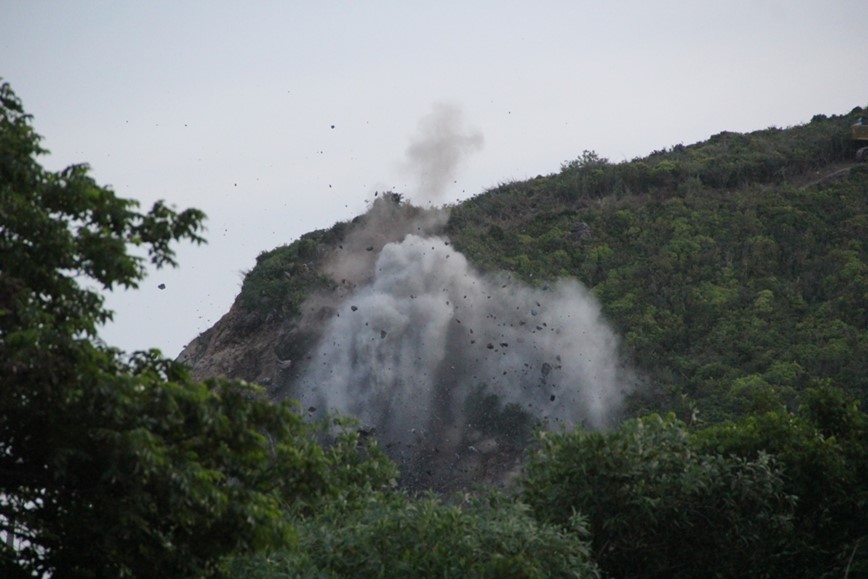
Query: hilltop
x=732, y=272
x=734, y=268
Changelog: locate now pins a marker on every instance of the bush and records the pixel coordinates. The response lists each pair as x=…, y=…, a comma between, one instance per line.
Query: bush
x=393, y=535
x=660, y=506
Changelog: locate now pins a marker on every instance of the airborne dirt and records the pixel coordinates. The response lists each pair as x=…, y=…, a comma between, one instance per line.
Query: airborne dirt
x=450, y=368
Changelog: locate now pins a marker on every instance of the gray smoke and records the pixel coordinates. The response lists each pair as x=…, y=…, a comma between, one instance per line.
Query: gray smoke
x=416, y=348
x=450, y=368
x=435, y=153
x=388, y=220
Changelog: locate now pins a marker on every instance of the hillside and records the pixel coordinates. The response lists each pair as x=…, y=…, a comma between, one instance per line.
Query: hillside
x=733, y=270
x=727, y=285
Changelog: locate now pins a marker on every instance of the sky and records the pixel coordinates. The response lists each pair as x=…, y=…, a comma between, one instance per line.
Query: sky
x=280, y=117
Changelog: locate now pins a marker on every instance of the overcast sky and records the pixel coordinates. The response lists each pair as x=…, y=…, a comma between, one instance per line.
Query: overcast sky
x=277, y=118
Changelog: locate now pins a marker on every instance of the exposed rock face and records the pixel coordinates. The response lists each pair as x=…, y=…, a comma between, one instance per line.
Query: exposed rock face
x=270, y=353
x=227, y=350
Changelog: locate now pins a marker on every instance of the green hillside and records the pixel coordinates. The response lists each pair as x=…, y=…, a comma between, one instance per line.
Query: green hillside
x=734, y=270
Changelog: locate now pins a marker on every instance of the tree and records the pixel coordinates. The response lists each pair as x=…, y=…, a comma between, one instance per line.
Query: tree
x=116, y=465
x=822, y=453
x=393, y=535
x=658, y=505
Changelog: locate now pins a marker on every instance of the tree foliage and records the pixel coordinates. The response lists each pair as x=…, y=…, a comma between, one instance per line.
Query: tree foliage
x=736, y=269
x=660, y=506
x=116, y=465
x=823, y=454
x=393, y=535
x=775, y=494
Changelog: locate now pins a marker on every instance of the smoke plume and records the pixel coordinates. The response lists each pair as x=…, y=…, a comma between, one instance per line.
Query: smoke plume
x=451, y=368
x=435, y=153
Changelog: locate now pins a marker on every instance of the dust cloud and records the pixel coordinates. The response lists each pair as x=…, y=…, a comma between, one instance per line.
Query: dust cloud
x=451, y=369
x=436, y=152
x=446, y=365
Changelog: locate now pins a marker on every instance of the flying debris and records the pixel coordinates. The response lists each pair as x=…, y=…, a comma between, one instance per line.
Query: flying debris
x=410, y=284
x=427, y=377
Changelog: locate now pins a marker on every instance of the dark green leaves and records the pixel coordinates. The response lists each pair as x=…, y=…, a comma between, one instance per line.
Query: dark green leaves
x=114, y=465
x=659, y=505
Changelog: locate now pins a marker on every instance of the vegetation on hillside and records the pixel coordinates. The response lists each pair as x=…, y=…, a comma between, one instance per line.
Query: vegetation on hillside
x=738, y=282
x=735, y=271
x=395, y=535
x=731, y=300
x=285, y=276
x=770, y=495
